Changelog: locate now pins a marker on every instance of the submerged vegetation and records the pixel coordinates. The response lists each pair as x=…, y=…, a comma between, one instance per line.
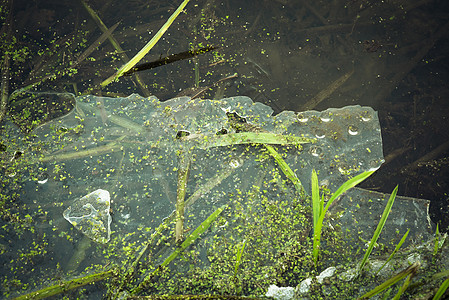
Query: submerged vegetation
x=269, y=231
x=252, y=242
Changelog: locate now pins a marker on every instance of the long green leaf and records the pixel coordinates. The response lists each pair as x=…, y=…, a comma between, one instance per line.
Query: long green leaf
x=62, y=287
x=379, y=228
x=395, y=250
x=187, y=242
x=126, y=67
x=443, y=287
x=437, y=238
x=286, y=169
x=315, y=200
x=410, y=270
x=343, y=188
x=238, y=258
x=203, y=141
x=404, y=286
x=440, y=275
x=195, y=234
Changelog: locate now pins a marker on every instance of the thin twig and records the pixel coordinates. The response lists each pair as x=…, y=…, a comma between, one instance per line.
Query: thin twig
x=312, y=103
x=96, y=44
x=116, y=45
x=5, y=87
x=426, y=46
x=427, y=157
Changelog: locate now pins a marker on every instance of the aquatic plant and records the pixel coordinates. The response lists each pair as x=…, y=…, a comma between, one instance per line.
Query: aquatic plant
x=319, y=210
x=131, y=63
x=380, y=225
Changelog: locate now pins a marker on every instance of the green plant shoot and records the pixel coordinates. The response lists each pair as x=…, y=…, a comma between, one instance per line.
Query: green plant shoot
x=395, y=250
x=437, y=238
x=381, y=224
x=441, y=290
x=187, y=242
x=404, y=286
x=410, y=270
x=318, y=224
x=317, y=203
x=238, y=258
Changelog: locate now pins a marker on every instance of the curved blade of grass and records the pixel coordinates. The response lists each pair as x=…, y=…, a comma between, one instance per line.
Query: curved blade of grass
x=437, y=237
x=316, y=203
x=395, y=250
x=404, y=286
x=286, y=170
x=443, y=287
x=346, y=186
x=410, y=270
x=207, y=141
x=195, y=234
x=381, y=224
x=62, y=287
x=188, y=241
x=343, y=188
x=440, y=275
x=238, y=258
x=126, y=67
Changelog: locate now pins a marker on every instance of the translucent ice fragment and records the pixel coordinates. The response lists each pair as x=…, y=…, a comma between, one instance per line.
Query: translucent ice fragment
x=90, y=215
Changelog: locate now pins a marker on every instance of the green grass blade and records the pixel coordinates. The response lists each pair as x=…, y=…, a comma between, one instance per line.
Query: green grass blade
x=319, y=225
x=62, y=287
x=346, y=186
x=286, y=170
x=316, y=201
x=440, y=275
x=187, y=242
x=443, y=287
x=194, y=235
x=379, y=228
x=395, y=250
x=404, y=286
x=126, y=67
x=207, y=141
x=238, y=258
x=437, y=238
x=410, y=270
